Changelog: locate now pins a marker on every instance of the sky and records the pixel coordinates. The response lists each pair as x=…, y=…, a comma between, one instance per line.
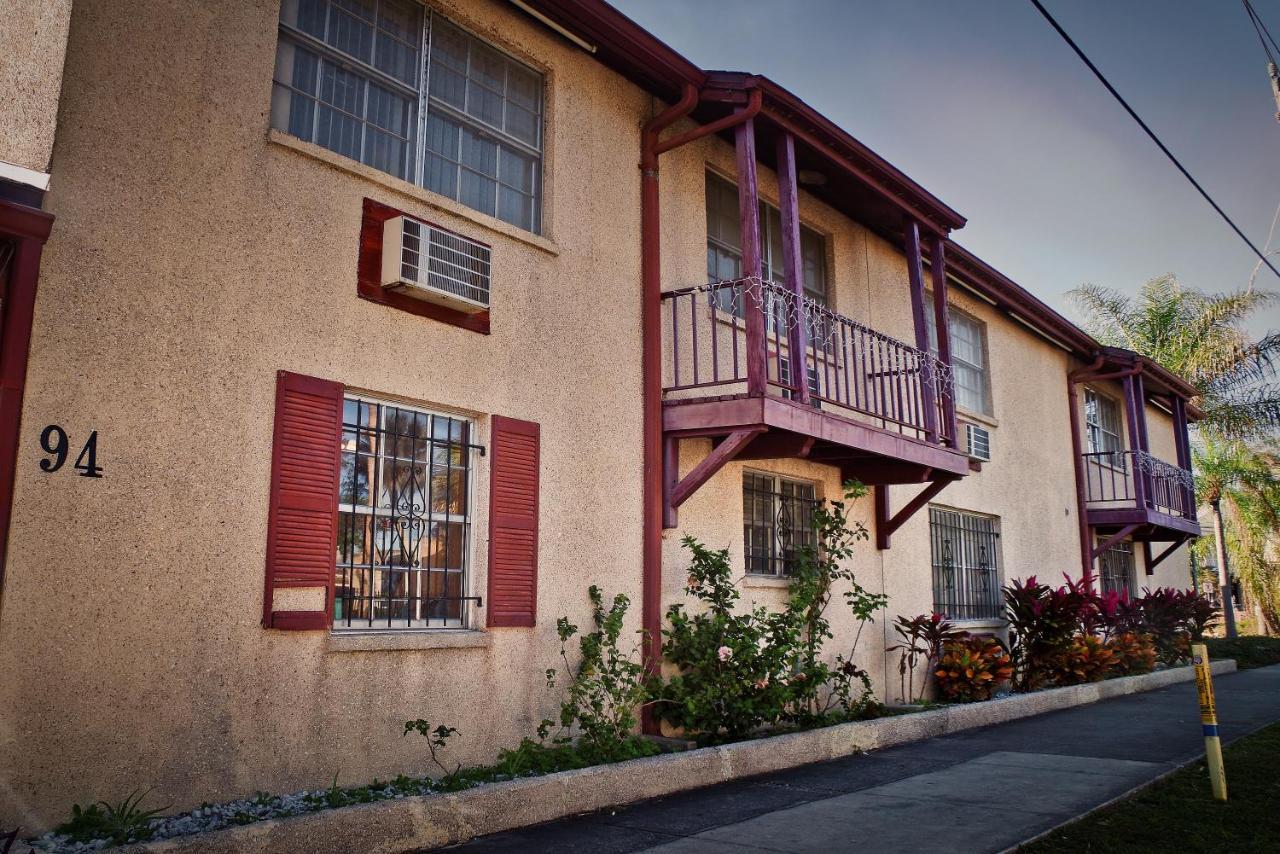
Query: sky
x=983, y=104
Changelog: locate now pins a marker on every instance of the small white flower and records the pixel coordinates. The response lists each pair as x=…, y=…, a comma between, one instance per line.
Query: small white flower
x=725, y=653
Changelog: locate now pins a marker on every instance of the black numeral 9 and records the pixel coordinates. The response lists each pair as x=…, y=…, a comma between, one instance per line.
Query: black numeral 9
x=54, y=441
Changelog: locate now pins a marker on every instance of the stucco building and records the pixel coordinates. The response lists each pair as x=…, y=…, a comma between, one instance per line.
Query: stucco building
x=347, y=342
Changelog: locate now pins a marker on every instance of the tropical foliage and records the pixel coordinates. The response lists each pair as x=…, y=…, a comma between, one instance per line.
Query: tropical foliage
x=1201, y=338
x=1243, y=484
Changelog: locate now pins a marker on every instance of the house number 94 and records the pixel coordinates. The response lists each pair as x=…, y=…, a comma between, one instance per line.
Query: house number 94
x=56, y=444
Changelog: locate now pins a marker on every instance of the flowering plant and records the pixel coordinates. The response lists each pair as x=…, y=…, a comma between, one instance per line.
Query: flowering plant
x=970, y=668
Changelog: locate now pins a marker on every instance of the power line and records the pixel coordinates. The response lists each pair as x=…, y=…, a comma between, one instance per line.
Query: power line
x=1264, y=35
x=1103, y=80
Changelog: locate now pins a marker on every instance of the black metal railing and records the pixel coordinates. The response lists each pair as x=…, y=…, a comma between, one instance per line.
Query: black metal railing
x=1121, y=479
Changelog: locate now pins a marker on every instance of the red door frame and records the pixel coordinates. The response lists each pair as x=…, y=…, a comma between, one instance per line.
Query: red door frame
x=28, y=228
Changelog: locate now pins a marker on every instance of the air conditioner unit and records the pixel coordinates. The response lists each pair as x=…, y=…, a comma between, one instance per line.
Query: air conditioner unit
x=429, y=263
x=977, y=441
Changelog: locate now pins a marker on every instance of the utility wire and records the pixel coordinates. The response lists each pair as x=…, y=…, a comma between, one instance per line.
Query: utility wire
x=1103, y=80
x=1264, y=35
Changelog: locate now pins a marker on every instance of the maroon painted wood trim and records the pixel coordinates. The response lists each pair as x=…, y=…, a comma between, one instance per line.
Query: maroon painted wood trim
x=670, y=473
x=744, y=136
x=29, y=229
x=886, y=526
x=778, y=446
x=1133, y=406
x=915, y=276
x=500, y=521
x=1152, y=563
x=1113, y=539
x=1082, y=502
x=881, y=494
x=789, y=209
x=285, y=500
x=369, y=274
x=710, y=464
x=942, y=323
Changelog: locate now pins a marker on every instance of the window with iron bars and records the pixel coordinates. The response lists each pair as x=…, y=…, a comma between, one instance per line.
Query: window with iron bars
x=777, y=521
x=1116, y=569
x=1103, y=428
x=404, y=518
x=966, y=564
x=394, y=85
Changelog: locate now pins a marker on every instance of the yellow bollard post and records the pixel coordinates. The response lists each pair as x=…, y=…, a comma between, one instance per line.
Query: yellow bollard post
x=1209, y=720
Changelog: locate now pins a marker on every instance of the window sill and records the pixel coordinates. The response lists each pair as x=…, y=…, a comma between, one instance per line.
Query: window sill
x=405, y=188
x=975, y=625
x=969, y=414
x=375, y=641
x=776, y=581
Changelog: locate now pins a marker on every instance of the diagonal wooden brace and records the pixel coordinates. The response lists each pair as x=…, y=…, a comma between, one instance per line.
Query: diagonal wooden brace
x=886, y=525
x=1152, y=562
x=712, y=463
x=1112, y=540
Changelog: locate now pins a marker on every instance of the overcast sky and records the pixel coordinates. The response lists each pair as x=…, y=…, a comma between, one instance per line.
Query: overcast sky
x=983, y=103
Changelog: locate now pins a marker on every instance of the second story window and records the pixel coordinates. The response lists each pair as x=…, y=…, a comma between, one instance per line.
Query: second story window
x=397, y=87
x=968, y=359
x=724, y=242
x=1102, y=425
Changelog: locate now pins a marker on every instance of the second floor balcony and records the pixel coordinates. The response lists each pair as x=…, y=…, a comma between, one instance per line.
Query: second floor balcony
x=1125, y=488
x=752, y=354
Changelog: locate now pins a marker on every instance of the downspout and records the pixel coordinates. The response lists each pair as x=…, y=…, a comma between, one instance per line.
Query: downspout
x=651, y=354
x=1082, y=511
x=1077, y=456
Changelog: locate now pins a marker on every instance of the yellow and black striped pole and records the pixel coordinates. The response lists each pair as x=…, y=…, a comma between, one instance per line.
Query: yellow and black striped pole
x=1209, y=720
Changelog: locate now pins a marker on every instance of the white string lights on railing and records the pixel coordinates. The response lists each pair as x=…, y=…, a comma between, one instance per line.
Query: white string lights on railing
x=824, y=329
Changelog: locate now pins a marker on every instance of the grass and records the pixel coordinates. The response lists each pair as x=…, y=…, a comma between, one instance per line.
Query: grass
x=1179, y=814
x=1248, y=650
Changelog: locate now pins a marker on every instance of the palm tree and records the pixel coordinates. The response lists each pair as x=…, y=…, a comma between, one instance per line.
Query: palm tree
x=1242, y=483
x=1200, y=337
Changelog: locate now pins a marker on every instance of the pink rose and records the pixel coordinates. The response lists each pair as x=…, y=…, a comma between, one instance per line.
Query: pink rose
x=725, y=653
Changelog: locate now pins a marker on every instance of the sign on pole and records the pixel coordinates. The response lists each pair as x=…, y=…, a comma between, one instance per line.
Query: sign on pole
x=1209, y=720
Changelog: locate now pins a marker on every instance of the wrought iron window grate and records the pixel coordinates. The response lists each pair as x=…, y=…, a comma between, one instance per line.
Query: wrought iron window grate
x=1117, y=570
x=966, y=564
x=404, y=518
x=777, y=515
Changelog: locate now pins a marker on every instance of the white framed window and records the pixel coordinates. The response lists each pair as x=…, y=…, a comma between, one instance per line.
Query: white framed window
x=404, y=518
x=398, y=87
x=965, y=550
x=1103, y=427
x=777, y=521
x=968, y=358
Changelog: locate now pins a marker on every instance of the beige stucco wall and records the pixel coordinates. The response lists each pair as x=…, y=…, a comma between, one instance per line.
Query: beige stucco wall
x=192, y=259
x=33, y=43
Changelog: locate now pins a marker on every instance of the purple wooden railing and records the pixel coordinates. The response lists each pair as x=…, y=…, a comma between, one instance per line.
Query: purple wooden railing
x=847, y=365
x=1123, y=479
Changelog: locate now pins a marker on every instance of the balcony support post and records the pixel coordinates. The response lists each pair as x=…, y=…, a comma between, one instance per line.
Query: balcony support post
x=915, y=273
x=712, y=463
x=1113, y=539
x=789, y=207
x=1183, y=441
x=942, y=323
x=753, y=295
x=886, y=524
x=1153, y=562
x=1133, y=408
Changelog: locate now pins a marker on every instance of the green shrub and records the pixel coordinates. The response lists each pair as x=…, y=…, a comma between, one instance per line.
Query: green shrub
x=120, y=823
x=970, y=668
x=923, y=639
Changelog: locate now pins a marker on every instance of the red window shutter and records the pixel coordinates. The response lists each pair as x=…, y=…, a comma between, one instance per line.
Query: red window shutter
x=302, y=528
x=513, y=522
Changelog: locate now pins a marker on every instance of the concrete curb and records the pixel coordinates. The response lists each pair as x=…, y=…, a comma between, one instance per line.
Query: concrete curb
x=434, y=820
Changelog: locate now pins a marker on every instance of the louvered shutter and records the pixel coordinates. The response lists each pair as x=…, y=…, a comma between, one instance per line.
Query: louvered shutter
x=513, y=522
x=303, y=523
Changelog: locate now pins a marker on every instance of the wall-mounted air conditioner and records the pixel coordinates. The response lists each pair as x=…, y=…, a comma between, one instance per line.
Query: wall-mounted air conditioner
x=977, y=442
x=435, y=265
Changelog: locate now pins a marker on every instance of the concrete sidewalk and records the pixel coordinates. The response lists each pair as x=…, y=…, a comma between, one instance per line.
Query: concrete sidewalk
x=975, y=791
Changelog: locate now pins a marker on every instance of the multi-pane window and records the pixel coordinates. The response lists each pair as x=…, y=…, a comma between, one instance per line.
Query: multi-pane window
x=777, y=521
x=724, y=242
x=1117, y=570
x=968, y=359
x=466, y=122
x=404, y=518
x=1103, y=427
x=965, y=551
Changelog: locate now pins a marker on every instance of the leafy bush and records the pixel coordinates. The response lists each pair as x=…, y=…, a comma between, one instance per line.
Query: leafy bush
x=1134, y=652
x=120, y=823
x=437, y=740
x=606, y=687
x=1088, y=659
x=924, y=637
x=740, y=670
x=1043, y=624
x=971, y=668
